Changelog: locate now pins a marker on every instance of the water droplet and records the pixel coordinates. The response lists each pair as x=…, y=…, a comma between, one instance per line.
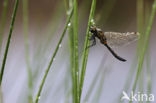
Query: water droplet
x=92, y=21
x=68, y=12
x=69, y=24
x=60, y=46
x=39, y=97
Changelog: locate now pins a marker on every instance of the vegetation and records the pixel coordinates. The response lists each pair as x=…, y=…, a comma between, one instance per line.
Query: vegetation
x=67, y=75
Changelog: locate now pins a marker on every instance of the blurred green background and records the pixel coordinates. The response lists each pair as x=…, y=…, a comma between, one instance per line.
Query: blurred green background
x=105, y=77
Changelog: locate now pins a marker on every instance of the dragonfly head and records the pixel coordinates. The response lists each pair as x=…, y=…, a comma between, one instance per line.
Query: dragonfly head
x=92, y=29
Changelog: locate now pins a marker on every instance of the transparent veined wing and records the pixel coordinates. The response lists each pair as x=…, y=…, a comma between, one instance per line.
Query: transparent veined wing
x=116, y=39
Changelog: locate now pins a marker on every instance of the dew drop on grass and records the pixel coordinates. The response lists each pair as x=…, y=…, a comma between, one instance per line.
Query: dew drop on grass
x=68, y=12
x=92, y=21
x=69, y=24
x=60, y=46
x=39, y=97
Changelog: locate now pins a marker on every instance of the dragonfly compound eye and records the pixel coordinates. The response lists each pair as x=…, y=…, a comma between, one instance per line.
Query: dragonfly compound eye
x=92, y=29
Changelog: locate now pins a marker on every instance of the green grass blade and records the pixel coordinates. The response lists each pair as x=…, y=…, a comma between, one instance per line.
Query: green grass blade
x=140, y=16
x=140, y=27
x=3, y=20
x=149, y=81
x=76, y=70
x=148, y=66
x=147, y=35
x=26, y=42
x=51, y=61
x=71, y=45
x=71, y=42
x=8, y=40
x=85, y=53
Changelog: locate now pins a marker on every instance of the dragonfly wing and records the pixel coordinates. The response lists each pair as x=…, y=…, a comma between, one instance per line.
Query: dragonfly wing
x=116, y=39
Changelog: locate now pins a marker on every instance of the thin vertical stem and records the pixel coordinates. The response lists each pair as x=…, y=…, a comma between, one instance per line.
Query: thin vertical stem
x=148, y=73
x=76, y=71
x=140, y=27
x=26, y=42
x=52, y=59
x=85, y=53
x=3, y=20
x=147, y=35
x=140, y=15
x=8, y=40
x=71, y=44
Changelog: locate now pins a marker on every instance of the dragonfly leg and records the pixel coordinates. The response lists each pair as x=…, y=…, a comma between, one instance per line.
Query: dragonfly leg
x=94, y=41
x=92, y=37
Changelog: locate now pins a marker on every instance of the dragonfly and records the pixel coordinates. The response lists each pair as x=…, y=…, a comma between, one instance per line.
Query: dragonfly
x=112, y=39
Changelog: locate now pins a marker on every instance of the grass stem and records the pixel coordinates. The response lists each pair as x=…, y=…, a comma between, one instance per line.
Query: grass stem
x=76, y=70
x=3, y=20
x=26, y=42
x=147, y=35
x=51, y=61
x=85, y=53
x=8, y=40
